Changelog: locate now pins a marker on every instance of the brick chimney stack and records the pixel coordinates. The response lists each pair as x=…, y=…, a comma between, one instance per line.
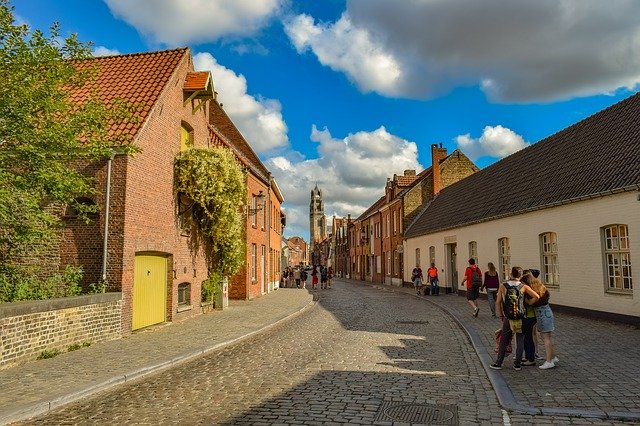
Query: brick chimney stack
x=437, y=153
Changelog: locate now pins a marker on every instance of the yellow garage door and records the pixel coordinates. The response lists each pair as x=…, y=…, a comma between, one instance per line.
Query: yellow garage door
x=149, y=290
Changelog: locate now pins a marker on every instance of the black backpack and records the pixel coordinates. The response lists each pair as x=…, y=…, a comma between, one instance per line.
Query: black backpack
x=513, y=303
x=476, y=278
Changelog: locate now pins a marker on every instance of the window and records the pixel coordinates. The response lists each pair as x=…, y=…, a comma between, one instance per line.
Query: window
x=432, y=255
x=253, y=261
x=504, y=258
x=417, y=256
x=388, y=263
x=395, y=223
x=617, y=257
x=184, y=294
x=186, y=136
x=549, y=251
x=254, y=208
x=473, y=251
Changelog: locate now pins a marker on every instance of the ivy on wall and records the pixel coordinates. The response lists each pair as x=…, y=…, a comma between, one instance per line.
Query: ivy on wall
x=212, y=185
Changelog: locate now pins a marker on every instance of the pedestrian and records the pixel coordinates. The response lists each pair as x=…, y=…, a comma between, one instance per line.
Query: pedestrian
x=303, y=277
x=296, y=276
x=545, y=322
x=330, y=275
x=473, y=279
x=314, y=277
x=432, y=275
x=416, y=278
x=285, y=278
x=510, y=308
x=528, y=325
x=323, y=277
x=491, y=283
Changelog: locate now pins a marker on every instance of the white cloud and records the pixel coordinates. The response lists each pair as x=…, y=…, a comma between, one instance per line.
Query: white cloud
x=351, y=172
x=259, y=120
x=516, y=51
x=191, y=21
x=495, y=142
x=104, y=51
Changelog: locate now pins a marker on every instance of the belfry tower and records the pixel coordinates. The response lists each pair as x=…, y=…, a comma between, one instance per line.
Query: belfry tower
x=317, y=219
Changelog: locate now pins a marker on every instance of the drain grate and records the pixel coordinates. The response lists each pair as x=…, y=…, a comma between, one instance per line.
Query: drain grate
x=418, y=413
x=412, y=322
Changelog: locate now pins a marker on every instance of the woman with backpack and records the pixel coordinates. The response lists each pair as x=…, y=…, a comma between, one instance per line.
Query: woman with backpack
x=510, y=307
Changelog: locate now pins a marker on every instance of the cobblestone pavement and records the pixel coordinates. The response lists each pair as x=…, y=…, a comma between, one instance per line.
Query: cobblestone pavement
x=598, y=373
x=360, y=356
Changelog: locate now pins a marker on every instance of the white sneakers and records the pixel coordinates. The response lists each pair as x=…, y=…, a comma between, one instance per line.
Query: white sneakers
x=547, y=365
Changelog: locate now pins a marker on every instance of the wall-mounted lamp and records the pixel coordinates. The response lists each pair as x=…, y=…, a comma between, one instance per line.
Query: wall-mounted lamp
x=260, y=199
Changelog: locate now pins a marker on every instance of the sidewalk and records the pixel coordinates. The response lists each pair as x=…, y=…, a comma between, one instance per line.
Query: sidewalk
x=598, y=374
x=37, y=387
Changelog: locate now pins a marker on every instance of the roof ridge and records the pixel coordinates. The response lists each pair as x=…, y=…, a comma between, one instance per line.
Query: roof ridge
x=154, y=52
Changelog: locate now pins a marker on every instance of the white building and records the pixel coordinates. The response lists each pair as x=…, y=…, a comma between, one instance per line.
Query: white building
x=568, y=205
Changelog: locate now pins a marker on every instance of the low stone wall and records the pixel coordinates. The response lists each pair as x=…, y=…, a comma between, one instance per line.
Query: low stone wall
x=28, y=328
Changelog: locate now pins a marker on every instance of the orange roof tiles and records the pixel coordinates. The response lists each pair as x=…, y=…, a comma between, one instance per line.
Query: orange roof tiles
x=137, y=79
x=196, y=80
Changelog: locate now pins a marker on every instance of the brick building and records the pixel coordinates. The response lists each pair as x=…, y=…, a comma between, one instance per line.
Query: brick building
x=148, y=257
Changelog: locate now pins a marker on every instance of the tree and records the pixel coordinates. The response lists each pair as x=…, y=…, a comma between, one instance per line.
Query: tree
x=43, y=133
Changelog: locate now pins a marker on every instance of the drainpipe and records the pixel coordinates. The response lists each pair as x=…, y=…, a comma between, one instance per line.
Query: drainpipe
x=269, y=218
x=106, y=218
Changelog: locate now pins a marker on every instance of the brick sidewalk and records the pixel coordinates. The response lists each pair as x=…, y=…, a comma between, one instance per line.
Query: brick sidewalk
x=37, y=387
x=598, y=374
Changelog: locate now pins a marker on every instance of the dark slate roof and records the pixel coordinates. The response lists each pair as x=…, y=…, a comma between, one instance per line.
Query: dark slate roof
x=597, y=156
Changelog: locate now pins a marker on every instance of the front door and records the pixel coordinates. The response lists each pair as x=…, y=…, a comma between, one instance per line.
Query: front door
x=149, y=290
x=452, y=266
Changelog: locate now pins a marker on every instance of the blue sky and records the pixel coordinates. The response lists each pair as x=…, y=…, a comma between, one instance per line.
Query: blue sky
x=345, y=93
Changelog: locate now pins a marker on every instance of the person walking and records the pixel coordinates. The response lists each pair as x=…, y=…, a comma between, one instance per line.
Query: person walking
x=323, y=277
x=314, y=277
x=473, y=280
x=296, y=276
x=432, y=275
x=544, y=320
x=491, y=283
x=510, y=308
x=329, y=276
x=416, y=277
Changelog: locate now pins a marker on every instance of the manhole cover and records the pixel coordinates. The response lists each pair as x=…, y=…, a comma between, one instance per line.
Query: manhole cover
x=413, y=322
x=418, y=413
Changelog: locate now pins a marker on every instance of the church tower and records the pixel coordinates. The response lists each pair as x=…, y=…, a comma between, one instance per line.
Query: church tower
x=317, y=219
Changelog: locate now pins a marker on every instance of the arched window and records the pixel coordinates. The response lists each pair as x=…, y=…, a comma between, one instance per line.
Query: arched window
x=473, y=251
x=186, y=136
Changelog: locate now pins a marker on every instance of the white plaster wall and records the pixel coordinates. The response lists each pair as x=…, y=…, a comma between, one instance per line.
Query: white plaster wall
x=580, y=257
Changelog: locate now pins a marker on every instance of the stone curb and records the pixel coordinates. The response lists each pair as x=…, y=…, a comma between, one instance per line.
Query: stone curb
x=505, y=397
x=41, y=407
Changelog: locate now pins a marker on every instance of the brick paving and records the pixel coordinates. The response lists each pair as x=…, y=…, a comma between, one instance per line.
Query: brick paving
x=360, y=347
x=598, y=374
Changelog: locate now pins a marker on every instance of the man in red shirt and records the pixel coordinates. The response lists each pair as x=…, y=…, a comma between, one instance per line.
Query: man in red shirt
x=432, y=273
x=473, y=278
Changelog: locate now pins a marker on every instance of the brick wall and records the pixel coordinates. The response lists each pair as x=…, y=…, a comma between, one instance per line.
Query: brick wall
x=28, y=328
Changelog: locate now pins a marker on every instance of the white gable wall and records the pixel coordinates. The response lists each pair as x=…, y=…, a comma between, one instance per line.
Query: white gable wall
x=580, y=255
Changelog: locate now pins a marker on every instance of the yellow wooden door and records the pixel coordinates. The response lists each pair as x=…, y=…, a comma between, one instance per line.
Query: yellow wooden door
x=149, y=290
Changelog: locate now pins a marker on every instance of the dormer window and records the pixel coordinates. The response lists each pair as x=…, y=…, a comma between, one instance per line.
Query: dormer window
x=198, y=89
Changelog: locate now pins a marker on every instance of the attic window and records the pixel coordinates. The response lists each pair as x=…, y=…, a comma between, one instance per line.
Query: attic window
x=198, y=89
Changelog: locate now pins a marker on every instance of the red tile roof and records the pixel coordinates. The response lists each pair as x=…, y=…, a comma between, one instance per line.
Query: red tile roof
x=196, y=80
x=137, y=79
x=597, y=156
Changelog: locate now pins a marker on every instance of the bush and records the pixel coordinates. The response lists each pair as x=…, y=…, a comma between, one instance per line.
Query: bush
x=211, y=287
x=18, y=284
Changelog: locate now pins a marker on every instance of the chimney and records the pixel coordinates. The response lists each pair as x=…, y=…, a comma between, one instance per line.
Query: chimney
x=437, y=154
x=410, y=172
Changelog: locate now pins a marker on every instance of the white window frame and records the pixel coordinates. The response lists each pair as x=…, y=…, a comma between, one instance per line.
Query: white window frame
x=417, y=256
x=432, y=255
x=549, y=259
x=473, y=251
x=617, y=258
x=254, y=253
x=504, y=258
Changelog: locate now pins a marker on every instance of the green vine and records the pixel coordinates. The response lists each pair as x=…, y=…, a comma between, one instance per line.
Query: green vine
x=213, y=185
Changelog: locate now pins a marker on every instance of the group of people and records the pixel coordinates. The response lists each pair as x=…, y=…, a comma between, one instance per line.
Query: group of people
x=298, y=277
x=432, y=274
x=521, y=303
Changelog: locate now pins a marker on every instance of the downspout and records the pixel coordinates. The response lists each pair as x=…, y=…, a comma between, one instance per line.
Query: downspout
x=106, y=218
x=267, y=203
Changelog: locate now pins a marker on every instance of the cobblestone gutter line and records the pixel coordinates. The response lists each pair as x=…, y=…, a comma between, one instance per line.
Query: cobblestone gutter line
x=42, y=407
x=503, y=392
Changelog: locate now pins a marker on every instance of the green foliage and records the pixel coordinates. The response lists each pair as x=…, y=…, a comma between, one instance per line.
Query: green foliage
x=43, y=132
x=74, y=347
x=212, y=286
x=215, y=185
x=48, y=353
x=99, y=287
x=21, y=283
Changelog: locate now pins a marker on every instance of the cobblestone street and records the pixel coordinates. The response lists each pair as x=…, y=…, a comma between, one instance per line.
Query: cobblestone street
x=361, y=355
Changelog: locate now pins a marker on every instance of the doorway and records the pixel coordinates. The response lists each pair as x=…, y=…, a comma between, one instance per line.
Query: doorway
x=452, y=266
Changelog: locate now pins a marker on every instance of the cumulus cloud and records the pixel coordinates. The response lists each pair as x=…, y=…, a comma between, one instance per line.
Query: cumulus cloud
x=497, y=142
x=259, y=120
x=516, y=51
x=191, y=21
x=351, y=171
x=104, y=51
